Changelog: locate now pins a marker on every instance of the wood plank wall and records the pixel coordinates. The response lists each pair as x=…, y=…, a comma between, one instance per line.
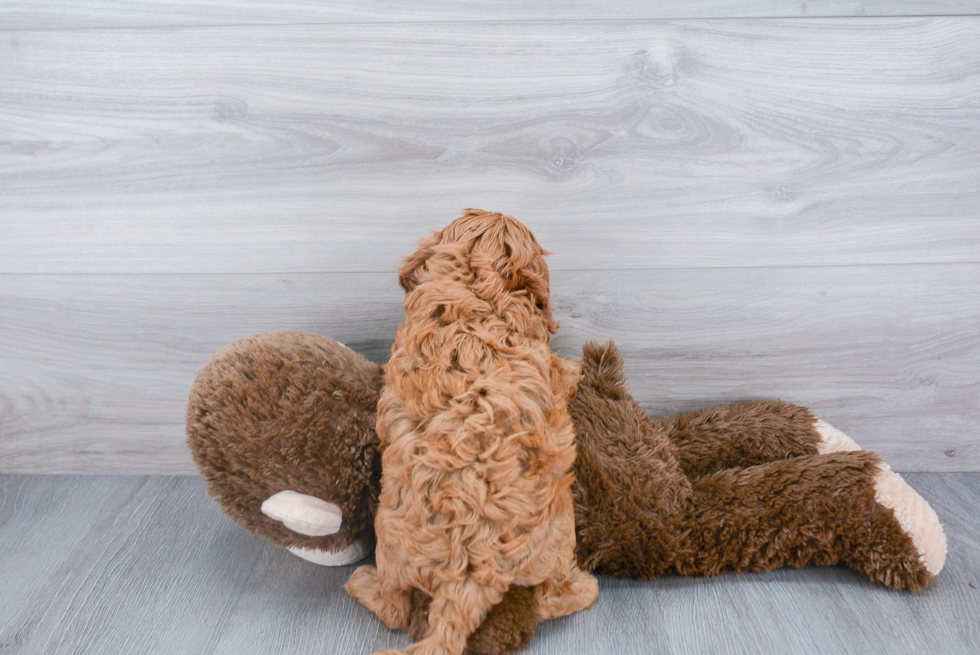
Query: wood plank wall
x=750, y=206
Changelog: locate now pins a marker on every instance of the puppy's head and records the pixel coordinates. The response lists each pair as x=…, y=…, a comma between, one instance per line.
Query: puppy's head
x=499, y=251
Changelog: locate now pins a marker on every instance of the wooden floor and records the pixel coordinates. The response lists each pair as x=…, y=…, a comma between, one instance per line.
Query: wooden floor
x=150, y=565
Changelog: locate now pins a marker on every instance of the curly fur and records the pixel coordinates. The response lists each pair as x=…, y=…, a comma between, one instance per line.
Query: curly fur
x=476, y=438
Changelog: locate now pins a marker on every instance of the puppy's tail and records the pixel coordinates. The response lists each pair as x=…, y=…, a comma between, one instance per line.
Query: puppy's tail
x=456, y=611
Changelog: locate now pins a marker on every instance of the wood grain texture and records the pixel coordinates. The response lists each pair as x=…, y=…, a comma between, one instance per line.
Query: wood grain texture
x=95, y=370
x=48, y=14
x=138, y=581
x=315, y=615
x=624, y=145
x=162, y=571
x=52, y=516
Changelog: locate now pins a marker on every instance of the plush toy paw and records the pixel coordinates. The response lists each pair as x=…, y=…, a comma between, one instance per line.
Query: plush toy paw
x=353, y=553
x=915, y=515
x=833, y=440
x=304, y=514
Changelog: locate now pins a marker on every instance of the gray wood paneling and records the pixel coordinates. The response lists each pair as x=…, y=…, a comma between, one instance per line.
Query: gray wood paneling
x=162, y=571
x=130, y=13
x=751, y=208
x=95, y=370
x=622, y=144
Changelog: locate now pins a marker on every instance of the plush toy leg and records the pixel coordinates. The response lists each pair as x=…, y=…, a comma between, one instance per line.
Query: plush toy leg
x=747, y=434
x=823, y=509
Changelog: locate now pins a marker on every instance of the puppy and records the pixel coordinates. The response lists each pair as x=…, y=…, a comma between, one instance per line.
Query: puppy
x=477, y=445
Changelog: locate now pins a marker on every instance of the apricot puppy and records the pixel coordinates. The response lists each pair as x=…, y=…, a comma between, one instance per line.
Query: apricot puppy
x=477, y=444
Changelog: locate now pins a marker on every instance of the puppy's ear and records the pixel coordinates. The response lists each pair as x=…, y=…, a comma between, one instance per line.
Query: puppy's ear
x=407, y=274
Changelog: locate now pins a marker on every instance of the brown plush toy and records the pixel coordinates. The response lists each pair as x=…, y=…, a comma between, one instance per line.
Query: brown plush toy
x=282, y=429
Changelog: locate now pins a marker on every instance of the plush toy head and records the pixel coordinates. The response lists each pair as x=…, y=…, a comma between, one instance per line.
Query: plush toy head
x=291, y=416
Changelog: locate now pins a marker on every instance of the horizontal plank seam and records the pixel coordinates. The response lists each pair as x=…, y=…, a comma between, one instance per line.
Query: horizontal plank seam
x=552, y=269
x=485, y=22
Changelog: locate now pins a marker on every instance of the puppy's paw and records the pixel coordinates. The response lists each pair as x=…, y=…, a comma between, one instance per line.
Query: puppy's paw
x=572, y=594
x=388, y=604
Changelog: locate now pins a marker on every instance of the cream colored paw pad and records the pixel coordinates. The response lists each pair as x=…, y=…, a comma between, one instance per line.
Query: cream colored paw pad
x=833, y=440
x=915, y=515
x=353, y=553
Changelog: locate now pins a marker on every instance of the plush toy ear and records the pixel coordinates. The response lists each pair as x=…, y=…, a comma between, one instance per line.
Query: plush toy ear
x=407, y=274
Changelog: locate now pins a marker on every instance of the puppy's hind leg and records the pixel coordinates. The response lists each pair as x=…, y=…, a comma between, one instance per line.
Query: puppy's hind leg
x=560, y=586
x=389, y=603
x=456, y=611
x=565, y=593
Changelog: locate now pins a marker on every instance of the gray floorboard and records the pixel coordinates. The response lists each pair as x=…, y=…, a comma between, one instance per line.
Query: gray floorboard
x=149, y=564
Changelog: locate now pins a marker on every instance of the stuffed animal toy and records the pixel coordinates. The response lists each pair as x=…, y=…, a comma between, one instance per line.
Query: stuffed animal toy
x=282, y=429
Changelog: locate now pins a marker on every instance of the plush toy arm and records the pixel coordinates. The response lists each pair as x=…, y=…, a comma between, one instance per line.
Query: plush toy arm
x=822, y=509
x=755, y=432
